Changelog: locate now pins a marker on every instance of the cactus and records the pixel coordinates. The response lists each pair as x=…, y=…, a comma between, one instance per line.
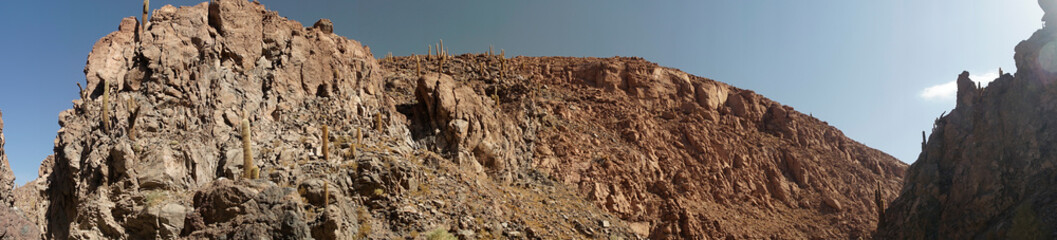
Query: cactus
x=880, y=202
x=378, y=122
x=443, y=52
x=326, y=194
x=326, y=141
x=502, y=68
x=923, y=141
x=490, y=51
x=440, y=67
x=352, y=149
x=80, y=90
x=106, y=105
x=247, y=150
x=146, y=7
x=430, y=53
x=418, y=66
x=133, y=109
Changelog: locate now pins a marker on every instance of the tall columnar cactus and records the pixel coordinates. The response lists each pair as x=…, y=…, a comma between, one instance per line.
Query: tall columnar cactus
x=106, y=105
x=442, y=50
x=440, y=66
x=146, y=7
x=923, y=141
x=326, y=195
x=429, y=54
x=378, y=122
x=502, y=68
x=80, y=90
x=352, y=149
x=247, y=150
x=326, y=142
x=418, y=66
x=880, y=202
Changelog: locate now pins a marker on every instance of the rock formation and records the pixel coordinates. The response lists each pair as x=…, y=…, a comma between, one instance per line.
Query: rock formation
x=7, y=177
x=477, y=146
x=675, y=155
x=987, y=171
x=13, y=222
x=174, y=169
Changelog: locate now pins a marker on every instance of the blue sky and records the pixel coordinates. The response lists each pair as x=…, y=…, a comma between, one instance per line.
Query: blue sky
x=862, y=66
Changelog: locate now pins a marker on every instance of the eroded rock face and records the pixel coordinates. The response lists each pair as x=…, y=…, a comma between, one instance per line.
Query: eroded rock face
x=674, y=155
x=191, y=75
x=654, y=151
x=170, y=165
x=7, y=177
x=470, y=127
x=986, y=171
x=13, y=221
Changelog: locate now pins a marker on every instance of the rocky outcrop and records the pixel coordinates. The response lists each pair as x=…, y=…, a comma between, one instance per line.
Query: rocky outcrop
x=674, y=155
x=475, y=146
x=7, y=177
x=169, y=163
x=986, y=171
x=13, y=222
x=469, y=126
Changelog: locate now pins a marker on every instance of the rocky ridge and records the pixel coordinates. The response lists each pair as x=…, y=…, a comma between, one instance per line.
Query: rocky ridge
x=153, y=148
x=987, y=170
x=470, y=146
x=675, y=155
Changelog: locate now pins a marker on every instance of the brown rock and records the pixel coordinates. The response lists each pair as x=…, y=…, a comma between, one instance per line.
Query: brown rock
x=198, y=67
x=324, y=25
x=652, y=144
x=7, y=177
x=470, y=127
x=14, y=225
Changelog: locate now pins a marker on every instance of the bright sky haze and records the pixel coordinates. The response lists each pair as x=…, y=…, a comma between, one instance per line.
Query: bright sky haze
x=880, y=71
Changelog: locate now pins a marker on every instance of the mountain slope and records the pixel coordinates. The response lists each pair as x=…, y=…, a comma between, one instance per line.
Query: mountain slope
x=342, y=145
x=676, y=155
x=155, y=147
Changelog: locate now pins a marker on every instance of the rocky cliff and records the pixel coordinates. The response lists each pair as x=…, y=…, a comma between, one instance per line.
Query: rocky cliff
x=155, y=148
x=7, y=177
x=342, y=145
x=13, y=221
x=987, y=171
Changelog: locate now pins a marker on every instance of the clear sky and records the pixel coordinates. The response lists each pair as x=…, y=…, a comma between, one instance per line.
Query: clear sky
x=881, y=71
